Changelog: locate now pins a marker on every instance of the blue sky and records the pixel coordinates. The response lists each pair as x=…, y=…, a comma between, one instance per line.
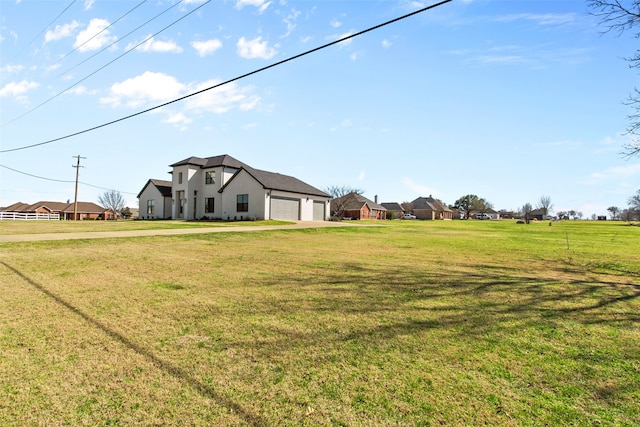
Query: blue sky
x=509, y=100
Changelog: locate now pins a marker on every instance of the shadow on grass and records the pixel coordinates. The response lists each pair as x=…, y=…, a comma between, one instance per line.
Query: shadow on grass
x=180, y=374
x=471, y=301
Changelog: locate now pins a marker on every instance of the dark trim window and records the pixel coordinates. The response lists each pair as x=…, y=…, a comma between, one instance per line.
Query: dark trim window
x=243, y=203
x=150, y=206
x=209, y=204
x=179, y=177
x=210, y=177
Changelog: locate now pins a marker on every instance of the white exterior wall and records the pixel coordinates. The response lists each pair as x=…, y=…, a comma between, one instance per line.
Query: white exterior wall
x=306, y=204
x=162, y=208
x=188, y=173
x=244, y=183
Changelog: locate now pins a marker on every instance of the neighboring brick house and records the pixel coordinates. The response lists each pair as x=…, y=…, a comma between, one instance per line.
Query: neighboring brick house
x=393, y=208
x=356, y=206
x=85, y=210
x=430, y=208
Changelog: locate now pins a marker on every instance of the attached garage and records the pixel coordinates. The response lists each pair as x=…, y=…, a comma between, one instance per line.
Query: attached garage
x=318, y=210
x=284, y=208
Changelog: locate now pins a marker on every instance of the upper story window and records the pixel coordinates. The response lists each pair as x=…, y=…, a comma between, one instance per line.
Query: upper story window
x=179, y=177
x=242, y=203
x=210, y=177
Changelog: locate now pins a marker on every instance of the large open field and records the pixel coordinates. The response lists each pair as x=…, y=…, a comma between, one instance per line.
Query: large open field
x=405, y=323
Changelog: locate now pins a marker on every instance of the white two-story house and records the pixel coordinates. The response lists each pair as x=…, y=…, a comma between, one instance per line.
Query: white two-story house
x=222, y=187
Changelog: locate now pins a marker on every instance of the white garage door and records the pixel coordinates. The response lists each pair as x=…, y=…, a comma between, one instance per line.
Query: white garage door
x=318, y=211
x=285, y=209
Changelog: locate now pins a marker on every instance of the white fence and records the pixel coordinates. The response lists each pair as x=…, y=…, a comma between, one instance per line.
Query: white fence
x=20, y=216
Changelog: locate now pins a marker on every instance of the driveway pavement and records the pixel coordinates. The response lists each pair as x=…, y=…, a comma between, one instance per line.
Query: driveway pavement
x=166, y=232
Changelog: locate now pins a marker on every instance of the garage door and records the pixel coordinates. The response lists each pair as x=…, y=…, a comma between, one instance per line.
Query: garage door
x=318, y=211
x=285, y=209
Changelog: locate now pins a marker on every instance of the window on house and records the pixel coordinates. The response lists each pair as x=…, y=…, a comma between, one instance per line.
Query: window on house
x=243, y=203
x=210, y=177
x=151, y=204
x=208, y=204
x=181, y=201
x=179, y=177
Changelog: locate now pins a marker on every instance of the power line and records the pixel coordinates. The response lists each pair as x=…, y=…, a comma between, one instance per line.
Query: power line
x=99, y=32
x=62, y=180
x=107, y=64
x=123, y=37
x=54, y=20
x=231, y=80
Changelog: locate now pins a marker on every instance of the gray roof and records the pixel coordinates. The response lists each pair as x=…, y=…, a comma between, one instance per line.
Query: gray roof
x=164, y=187
x=211, y=162
x=276, y=181
x=355, y=201
x=392, y=206
x=429, y=203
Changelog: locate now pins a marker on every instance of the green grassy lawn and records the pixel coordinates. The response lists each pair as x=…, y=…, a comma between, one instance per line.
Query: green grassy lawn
x=409, y=323
x=86, y=226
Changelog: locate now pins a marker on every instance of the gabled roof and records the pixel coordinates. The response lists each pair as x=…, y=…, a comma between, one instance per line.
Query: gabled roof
x=429, y=203
x=211, y=162
x=83, y=207
x=164, y=187
x=16, y=207
x=355, y=201
x=392, y=206
x=276, y=181
x=52, y=206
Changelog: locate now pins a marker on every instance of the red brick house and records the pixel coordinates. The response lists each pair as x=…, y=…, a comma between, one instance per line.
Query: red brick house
x=356, y=206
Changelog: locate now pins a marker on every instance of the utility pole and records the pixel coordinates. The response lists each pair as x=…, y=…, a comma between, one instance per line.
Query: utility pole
x=75, y=201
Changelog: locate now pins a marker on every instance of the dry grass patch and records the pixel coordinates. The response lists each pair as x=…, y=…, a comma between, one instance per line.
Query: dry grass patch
x=407, y=324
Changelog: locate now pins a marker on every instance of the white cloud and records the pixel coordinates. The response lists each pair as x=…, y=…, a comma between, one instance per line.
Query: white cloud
x=346, y=42
x=541, y=19
x=145, y=88
x=88, y=4
x=386, y=43
x=155, y=88
x=255, y=48
x=10, y=69
x=290, y=20
x=94, y=37
x=153, y=45
x=61, y=31
x=206, y=47
x=617, y=172
x=179, y=120
x=355, y=55
x=418, y=188
x=361, y=176
x=335, y=23
x=17, y=89
x=221, y=99
x=262, y=5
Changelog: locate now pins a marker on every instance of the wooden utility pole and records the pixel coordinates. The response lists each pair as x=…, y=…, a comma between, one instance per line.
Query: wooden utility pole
x=75, y=200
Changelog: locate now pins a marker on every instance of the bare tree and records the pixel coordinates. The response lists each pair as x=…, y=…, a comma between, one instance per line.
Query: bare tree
x=481, y=205
x=113, y=201
x=614, y=211
x=619, y=16
x=634, y=205
x=545, y=204
x=337, y=193
x=526, y=212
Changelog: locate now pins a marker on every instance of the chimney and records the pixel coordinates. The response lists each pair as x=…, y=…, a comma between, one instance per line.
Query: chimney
x=375, y=199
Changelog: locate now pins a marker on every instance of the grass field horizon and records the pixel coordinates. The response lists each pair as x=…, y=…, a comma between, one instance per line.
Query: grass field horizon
x=406, y=323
